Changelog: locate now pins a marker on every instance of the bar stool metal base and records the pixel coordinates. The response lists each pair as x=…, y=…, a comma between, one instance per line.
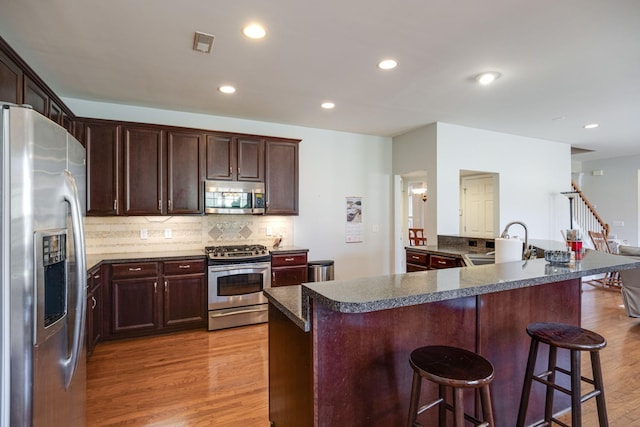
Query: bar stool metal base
x=457, y=369
x=576, y=340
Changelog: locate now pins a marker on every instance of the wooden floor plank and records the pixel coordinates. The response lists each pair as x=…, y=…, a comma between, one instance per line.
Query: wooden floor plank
x=200, y=378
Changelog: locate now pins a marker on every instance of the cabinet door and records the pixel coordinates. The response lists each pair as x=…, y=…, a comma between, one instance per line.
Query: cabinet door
x=288, y=276
x=94, y=318
x=55, y=113
x=35, y=96
x=135, y=306
x=185, y=158
x=104, y=165
x=10, y=81
x=184, y=301
x=143, y=171
x=250, y=159
x=281, y=177
x=221, y=157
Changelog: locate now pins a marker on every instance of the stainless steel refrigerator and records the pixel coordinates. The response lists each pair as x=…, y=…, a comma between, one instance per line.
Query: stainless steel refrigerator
x=43, y=272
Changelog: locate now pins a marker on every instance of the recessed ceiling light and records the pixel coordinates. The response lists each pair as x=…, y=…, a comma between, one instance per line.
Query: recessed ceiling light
x=387, y=64
x=488, y=77
x=254, y=31
x=591, y=126
x=328, y=105
x=227, y=89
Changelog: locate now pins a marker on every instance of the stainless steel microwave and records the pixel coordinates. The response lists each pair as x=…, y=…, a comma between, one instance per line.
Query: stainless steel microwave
x=234, y=197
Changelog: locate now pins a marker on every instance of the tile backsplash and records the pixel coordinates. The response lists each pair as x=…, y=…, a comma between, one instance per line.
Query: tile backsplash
x=123, y=234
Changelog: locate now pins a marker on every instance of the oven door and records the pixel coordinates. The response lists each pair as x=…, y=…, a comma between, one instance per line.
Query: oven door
x=238, y=285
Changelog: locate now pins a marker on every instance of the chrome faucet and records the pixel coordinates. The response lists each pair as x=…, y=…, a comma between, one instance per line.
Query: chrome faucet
x=526, y=252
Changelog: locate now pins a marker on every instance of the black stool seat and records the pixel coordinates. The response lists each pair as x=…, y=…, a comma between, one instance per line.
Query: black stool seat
x=458, y=369
x=576, y=340
x=451, y=366
x=566, y=336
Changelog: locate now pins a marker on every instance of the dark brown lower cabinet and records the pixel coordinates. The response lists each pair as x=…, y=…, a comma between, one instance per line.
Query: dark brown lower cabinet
x=180, y=293
x=135, y=306
x=94, y=309
x=420, y=261
x=289, y=268
x=156, y=297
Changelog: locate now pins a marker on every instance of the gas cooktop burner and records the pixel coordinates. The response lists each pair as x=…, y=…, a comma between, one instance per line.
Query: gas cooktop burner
x=237, y=252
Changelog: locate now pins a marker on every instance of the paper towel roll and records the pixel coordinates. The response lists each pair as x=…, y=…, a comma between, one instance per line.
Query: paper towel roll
x=508, y=250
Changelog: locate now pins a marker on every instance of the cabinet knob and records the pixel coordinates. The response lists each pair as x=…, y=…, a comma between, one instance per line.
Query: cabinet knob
x=415, y=257
x=155, y=287
x=165, y=286
x=115, y=204
x=289, y=259
x=135, y=269
x=183, y=266
x=159, y=204
x=170, y=205
x=93, y=303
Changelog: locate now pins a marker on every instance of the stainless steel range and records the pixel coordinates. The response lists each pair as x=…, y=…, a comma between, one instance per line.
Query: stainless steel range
x=237, y=276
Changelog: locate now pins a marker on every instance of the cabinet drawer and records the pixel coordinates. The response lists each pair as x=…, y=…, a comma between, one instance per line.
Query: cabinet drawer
x=190, y=266
x=442, y=262
x=134, y=270
x=287, y=260
x=418, y=258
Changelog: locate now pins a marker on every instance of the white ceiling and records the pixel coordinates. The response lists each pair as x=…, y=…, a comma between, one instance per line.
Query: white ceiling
x=564, y=63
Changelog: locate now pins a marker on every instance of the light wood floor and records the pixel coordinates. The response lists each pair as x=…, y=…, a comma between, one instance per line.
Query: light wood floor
x=219, y=379
x=195, y=378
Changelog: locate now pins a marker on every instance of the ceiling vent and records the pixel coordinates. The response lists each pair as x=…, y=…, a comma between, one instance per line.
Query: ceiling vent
x=203, y=42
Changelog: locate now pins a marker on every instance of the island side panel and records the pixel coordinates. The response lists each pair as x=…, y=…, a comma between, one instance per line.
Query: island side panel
x=362, y=372
x=290, y=372
x=503, y=339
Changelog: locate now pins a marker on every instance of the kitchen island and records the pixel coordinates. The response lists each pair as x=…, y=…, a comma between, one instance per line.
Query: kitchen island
x=338, y=350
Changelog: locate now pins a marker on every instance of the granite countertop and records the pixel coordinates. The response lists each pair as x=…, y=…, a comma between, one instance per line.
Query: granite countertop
x=93, y=260
x=400, y=290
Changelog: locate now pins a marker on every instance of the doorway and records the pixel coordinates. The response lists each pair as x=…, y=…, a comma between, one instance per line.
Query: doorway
x=409, y=211
x=478, y=204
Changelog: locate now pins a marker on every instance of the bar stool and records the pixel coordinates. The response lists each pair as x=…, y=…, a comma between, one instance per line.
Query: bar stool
x=576, y=340
x=450, y=367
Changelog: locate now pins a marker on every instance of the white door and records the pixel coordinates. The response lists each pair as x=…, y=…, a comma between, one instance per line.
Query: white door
x=477, y=206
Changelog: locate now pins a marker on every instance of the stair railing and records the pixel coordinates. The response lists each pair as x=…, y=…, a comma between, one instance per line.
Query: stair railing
x=585, y=214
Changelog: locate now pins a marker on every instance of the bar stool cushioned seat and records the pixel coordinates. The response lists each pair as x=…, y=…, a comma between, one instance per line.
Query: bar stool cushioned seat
x=576, y=340
x=458, y=369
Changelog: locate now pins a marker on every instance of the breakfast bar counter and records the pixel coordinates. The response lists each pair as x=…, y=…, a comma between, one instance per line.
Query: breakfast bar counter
x=339, y=350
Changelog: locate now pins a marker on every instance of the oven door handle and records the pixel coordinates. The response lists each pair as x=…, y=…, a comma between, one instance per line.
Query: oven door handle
x=231, y=313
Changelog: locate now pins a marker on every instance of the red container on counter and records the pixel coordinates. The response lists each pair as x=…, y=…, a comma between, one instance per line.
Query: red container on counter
x=576, y=247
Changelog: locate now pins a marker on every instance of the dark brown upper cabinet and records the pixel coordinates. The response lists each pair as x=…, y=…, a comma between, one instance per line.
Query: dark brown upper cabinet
x=104, y=168
x=185, y=164
x=36, y=97
x=10, y=80
x=234, y=158
x=281, y=176
x=143, y=171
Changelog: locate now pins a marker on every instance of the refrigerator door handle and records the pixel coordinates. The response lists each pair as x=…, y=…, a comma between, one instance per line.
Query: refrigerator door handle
x=71, y=196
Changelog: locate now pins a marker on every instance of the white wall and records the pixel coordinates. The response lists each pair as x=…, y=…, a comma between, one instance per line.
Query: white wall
x=413, y=152
x=333, y=165
x=615, y=194
x=532, y=174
